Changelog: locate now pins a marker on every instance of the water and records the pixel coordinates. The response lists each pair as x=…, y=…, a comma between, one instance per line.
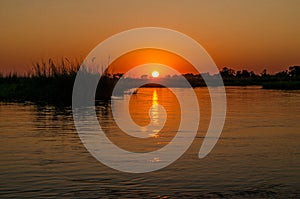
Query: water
x=256, y=156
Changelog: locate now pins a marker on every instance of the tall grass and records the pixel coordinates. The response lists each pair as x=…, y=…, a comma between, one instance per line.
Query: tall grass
x=47, y=82
x=53, y=69
x=51, y=82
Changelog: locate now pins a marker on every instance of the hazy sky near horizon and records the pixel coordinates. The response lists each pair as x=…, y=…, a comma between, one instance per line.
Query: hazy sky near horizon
x=254, y=34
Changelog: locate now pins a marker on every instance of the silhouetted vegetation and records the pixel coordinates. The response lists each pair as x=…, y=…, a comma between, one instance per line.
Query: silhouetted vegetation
x=48, y=82
x=52, y=82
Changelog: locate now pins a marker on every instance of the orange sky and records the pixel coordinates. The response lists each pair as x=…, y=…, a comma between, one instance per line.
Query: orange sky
x=238, y=34
x=144, y=56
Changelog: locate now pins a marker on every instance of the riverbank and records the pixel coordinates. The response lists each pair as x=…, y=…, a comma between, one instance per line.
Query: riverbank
x=58, y=90
x=282, y=85
x=52, y=82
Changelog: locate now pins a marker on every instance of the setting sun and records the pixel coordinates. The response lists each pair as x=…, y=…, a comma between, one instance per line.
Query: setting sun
x=155, y=74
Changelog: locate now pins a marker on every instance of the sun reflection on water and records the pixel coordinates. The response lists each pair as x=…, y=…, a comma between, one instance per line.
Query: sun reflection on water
x=154, y=114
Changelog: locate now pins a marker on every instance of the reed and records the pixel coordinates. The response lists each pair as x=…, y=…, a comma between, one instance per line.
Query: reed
x=48, y=82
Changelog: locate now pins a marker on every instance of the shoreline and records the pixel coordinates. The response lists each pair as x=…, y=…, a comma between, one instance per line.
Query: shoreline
x=62, y=96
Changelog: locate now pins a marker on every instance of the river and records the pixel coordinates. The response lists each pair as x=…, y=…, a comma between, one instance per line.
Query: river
x=257, y=155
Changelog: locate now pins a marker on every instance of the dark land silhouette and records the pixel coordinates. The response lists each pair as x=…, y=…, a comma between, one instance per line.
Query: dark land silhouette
x=52, y=82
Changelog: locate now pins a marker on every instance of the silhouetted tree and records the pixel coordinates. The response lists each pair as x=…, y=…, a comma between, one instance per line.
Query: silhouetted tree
x=252, y=74
x=245, y=73
x=283, y=75
x=264, y=73
x=238, y=74
x=294, y=71
x=227, y=72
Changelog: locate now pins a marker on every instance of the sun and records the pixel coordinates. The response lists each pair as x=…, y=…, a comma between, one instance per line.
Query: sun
x=155, y=74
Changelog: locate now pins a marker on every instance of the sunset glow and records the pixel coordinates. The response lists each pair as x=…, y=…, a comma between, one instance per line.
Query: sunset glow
x=37, y=30
x=144, y=56
x=155, y=74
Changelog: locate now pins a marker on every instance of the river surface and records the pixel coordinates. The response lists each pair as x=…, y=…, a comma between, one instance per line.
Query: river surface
x=257, y=155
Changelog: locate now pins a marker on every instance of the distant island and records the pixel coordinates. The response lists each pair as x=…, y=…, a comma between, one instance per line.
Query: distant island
x=52, y=83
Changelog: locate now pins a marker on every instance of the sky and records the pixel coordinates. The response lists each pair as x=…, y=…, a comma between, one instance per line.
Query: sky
x=154, y=58
x=246, y=34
